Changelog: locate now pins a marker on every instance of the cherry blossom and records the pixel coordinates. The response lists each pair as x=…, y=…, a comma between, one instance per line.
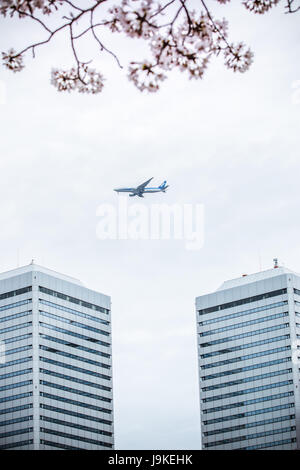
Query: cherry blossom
x=24, y=7
x=12, y=60
x=260, y=7
x=82, y=78
x=177, y=36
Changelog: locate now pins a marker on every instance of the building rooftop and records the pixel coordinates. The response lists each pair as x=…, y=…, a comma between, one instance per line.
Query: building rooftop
x=248, y=278
x=35, y=267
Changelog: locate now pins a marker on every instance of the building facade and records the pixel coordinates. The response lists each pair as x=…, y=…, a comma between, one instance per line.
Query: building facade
x=56, y=363
x=248, y=348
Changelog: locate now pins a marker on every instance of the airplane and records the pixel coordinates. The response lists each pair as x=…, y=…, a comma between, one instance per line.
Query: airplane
x=142, y=189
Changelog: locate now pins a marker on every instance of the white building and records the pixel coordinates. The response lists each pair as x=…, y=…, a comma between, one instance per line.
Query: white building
x=248, y=347
x=56, y=372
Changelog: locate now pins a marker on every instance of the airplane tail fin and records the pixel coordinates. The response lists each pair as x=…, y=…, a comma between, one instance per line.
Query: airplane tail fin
x=163, y=185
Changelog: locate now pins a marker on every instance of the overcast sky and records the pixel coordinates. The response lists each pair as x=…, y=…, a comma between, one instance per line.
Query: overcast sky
x=230, y=142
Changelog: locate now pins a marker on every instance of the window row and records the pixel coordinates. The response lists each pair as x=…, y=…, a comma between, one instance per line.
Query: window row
x=75, y=425
x=248, y=402
x=244, y=369
x=255, y=424
x=15, y=315
x=14, y=409
x=250, y=436
x=75, y=357
x=252, y=378
x=247, y=300
x=247, y=390
x=77, y=438
x=15, y=373
x=245, y=357
x=75, y=379
x=16, y=361
x=246, y=414
x=73, y=300
x=270, y=444
x=15, y=304
x=19, y=349
x=15, y=432
x=245, y=312
x=75, y=413
x=71, y=333
x=17, y=444
x=243, y=324
x=12, y=293
x=244, y=335
x=58, y=445
x=245, y=346
x=74, y=345
x=74, y=312
x=78, y=369
x=16, y=327
x=74, y=323
x=74, y=402
x=16, y=420
x=15, y=385
x=16, y=397
x=75, y=391
x=17, y=338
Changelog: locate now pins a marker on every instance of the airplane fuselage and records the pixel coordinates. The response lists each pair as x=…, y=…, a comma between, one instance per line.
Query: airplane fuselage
x=132, y=190
x=142, y=189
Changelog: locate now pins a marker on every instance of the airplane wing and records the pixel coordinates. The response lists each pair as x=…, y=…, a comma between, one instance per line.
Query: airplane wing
x=141, y=187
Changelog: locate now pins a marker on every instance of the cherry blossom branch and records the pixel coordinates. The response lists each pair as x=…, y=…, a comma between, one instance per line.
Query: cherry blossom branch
x=289, y=7
x=102, y=47
x=177, y=37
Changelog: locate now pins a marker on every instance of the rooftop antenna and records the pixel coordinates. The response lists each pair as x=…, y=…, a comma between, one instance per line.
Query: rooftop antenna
x=275, y=262
x=32, y=261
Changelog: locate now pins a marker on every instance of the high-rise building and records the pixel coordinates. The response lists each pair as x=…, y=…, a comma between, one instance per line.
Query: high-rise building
x=56, y=370
x=248, y=347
